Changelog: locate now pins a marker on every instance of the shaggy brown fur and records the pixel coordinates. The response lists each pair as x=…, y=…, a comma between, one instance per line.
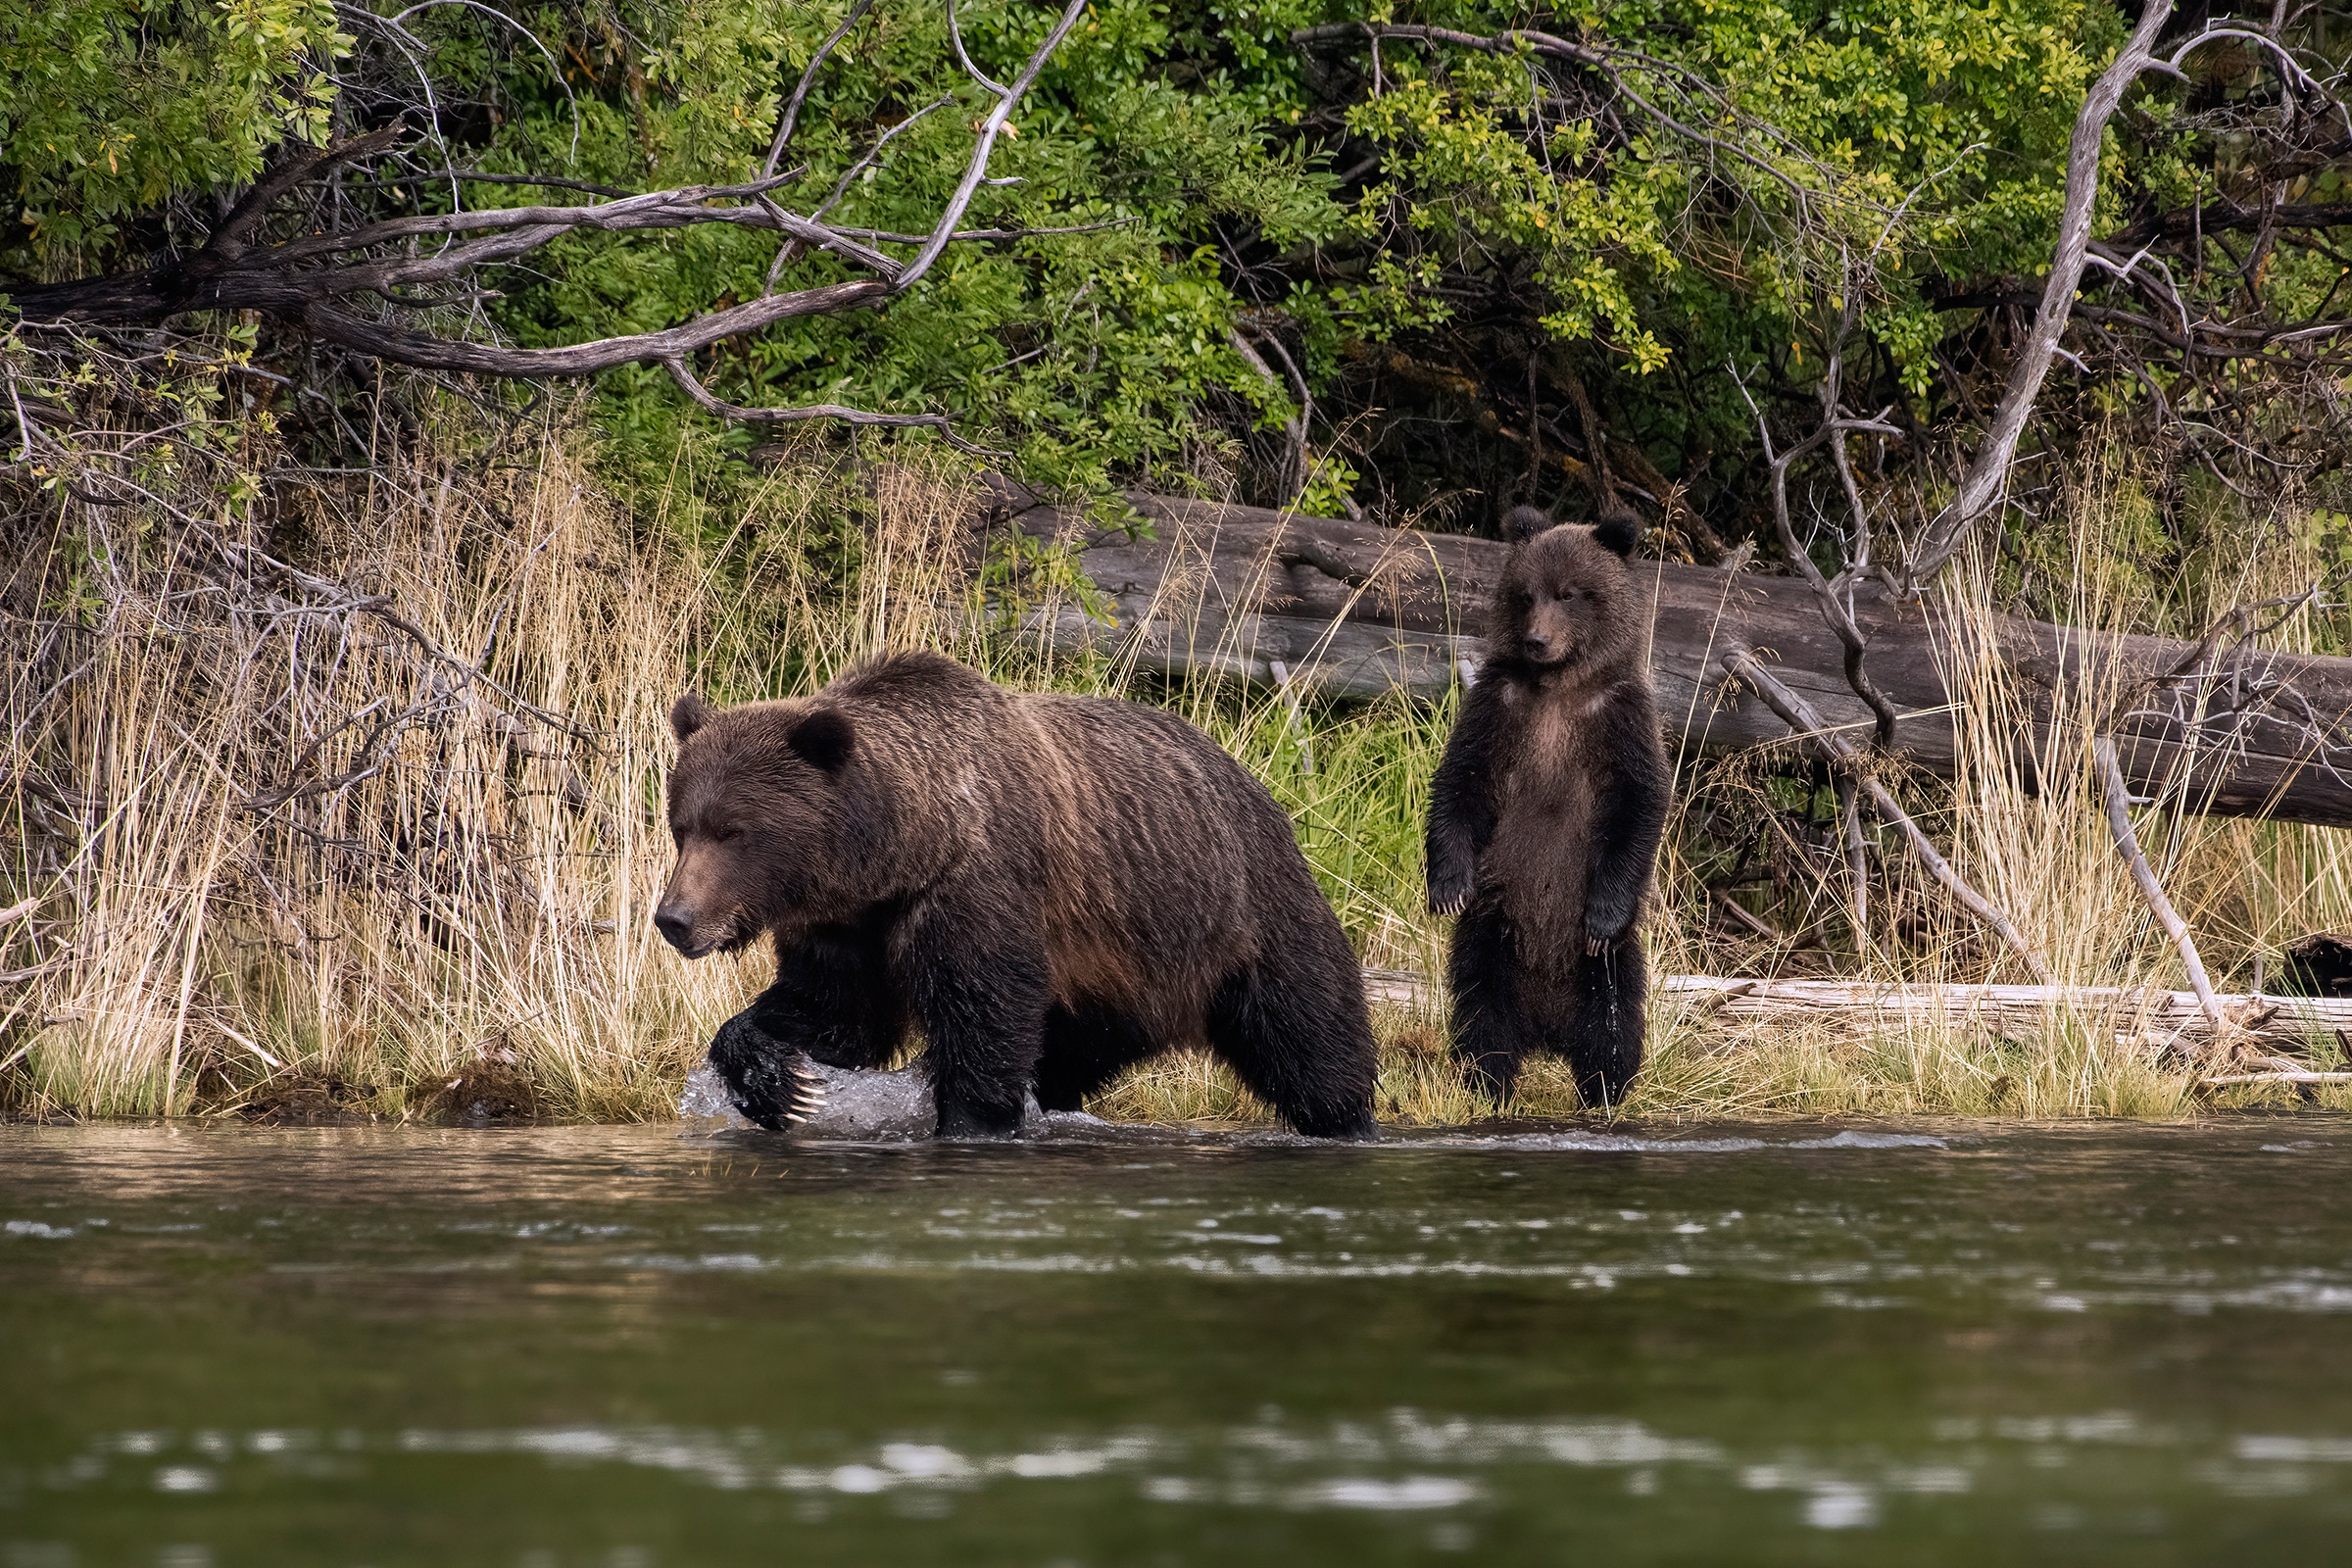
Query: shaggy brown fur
x=1050, y=888
x=1546, y=816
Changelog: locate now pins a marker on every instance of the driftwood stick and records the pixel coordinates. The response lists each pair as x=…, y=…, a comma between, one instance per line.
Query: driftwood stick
x=2276, y=1078
x=1857, y=860
x=2126, y=844
x=1298, y=720
x=1799, y=717
x=2277, y=1029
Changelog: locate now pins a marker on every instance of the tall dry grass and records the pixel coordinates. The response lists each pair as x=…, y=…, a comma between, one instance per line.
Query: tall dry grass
x=283, y=845
x=308, y=849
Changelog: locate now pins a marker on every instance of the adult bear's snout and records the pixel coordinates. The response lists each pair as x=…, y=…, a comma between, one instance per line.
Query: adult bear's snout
x=677, y=926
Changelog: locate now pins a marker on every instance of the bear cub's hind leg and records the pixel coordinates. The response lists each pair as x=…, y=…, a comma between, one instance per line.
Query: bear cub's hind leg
x=1493, y=1031
x=1603, y=1043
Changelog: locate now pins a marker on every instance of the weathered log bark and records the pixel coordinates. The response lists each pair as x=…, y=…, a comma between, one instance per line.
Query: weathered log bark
x=1354, y=610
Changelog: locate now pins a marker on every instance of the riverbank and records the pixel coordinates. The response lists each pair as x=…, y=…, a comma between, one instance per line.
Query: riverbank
x=390, y=850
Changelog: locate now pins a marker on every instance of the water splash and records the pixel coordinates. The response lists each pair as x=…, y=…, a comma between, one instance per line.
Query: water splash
x=871, y=1108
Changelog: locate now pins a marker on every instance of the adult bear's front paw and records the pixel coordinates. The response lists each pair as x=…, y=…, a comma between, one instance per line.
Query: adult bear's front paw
x=770, y=1081
x=1449, y=888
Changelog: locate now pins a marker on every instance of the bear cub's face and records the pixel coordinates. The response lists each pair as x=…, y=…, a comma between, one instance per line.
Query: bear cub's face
x=753, y=810
x=1563, y=597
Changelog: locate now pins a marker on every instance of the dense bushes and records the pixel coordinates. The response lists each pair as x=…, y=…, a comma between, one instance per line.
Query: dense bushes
x=1556, y=260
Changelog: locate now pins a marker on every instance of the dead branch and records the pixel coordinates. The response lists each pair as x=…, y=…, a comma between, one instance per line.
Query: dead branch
x=703, y=395
x=1800, y=717
x=789, y=121
x=1293, y=425
x=2126, y=844
x=1837, y=608
x=315, y=280
x=1986, y=478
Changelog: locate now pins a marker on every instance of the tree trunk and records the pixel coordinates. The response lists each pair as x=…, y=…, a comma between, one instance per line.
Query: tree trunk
x=1353, y=609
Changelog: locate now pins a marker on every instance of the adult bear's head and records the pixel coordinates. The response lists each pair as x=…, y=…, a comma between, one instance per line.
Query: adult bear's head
x=1566, y=601
x=757, y=812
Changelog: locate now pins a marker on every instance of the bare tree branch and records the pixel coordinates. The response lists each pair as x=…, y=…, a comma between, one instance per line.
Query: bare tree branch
x=701, y=395
x=2126, y=842
x=790, y=119
x=1293, y=423
x=1988, y=475
x=1799, y=715
x=307, y=281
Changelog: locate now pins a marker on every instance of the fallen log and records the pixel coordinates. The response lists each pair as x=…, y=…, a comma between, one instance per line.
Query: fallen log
x=2165, y=1022
x=1354, y=610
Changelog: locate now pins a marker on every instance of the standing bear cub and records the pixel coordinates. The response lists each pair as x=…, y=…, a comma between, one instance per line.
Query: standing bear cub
x=1545, y=816
x=1050, y=888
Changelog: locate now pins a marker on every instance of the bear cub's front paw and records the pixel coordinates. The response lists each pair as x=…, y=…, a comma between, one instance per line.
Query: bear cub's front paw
x=1449, y=889
x=770, y=1081
x=1605, y=931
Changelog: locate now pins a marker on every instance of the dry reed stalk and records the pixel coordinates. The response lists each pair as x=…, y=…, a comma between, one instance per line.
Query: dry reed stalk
x=259, y=871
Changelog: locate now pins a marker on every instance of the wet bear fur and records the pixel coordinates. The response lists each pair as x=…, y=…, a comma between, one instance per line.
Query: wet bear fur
x=1049, y=888
x=1546, y=812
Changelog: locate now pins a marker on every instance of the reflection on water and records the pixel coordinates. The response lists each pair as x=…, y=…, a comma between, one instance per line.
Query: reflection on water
x=639, y=1346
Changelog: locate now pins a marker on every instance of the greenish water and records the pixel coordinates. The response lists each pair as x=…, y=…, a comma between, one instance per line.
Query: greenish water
x=628, y=1347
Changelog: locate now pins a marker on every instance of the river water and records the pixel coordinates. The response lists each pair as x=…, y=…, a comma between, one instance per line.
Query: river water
x=638, y=1346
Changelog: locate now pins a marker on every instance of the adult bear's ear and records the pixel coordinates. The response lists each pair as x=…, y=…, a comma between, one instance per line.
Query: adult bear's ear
x=688, y=714
x=1522, y=523
x=1618, y=531
x=823, y=739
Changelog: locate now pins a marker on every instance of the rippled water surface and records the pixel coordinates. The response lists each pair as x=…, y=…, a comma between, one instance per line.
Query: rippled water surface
x=638, y=1346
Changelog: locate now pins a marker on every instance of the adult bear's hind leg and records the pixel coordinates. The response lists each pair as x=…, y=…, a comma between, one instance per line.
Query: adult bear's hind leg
x=1294, y=1030
x=1492, y=1033
x=1603, y=1045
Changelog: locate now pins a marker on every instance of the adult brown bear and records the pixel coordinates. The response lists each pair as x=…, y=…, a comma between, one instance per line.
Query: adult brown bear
x=1546, y=814
x=1050, y=888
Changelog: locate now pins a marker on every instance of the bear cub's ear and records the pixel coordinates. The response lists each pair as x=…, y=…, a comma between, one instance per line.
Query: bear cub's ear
x=688, y=714
x=823, y=739
x=1618, y=531
x=1522, y=523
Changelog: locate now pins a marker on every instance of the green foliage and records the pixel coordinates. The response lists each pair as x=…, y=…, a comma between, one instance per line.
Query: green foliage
x=110, y=108
x=1483, y=213
x=1085, y=352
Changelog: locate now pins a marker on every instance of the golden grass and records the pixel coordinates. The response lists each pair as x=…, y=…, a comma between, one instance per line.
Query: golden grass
x=470, y=889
